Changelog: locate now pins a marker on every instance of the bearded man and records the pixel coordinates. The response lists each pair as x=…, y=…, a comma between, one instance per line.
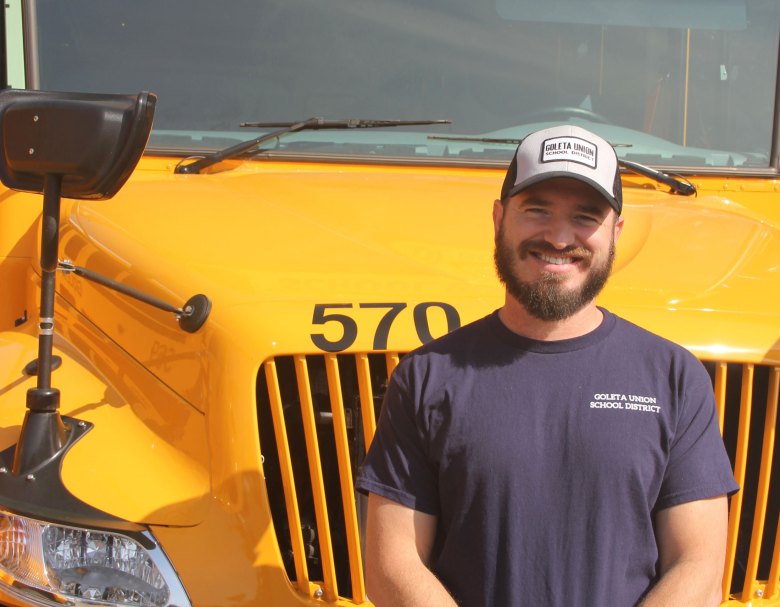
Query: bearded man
x=550, y=453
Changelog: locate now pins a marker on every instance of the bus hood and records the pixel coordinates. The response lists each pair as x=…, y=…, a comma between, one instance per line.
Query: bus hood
x=272, y=244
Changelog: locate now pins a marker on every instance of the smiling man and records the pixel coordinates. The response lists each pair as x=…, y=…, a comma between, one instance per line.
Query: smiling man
x=550, y=453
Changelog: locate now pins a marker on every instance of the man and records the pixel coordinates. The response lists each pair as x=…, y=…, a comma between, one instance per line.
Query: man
x=551, y=453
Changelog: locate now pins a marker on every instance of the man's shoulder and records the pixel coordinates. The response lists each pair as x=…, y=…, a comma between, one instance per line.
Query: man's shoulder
x=474, y=331
x=642, y=340
x=469, y=340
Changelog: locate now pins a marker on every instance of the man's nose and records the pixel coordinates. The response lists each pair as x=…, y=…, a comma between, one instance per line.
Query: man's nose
x=559, y=233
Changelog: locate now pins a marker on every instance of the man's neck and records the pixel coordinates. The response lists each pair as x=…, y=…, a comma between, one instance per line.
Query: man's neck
x=517, y=319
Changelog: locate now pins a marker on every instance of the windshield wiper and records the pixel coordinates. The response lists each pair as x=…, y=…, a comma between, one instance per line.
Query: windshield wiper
x=284, y=128
x=678, y=186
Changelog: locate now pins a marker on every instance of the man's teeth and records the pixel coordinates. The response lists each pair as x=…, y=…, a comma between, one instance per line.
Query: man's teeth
x=556, y=260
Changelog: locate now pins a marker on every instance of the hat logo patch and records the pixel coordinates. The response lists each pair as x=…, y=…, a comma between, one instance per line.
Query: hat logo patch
x=572, y=149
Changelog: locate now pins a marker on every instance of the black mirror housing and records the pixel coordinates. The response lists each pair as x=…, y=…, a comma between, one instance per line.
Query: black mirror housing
x=93, y=141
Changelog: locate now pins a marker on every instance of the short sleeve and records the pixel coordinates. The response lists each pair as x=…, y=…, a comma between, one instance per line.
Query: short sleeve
x=397, y=466
x=698, y=466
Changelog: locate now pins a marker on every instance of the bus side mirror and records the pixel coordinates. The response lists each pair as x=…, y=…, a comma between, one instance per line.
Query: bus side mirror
x=93, y=141
x=75, y=145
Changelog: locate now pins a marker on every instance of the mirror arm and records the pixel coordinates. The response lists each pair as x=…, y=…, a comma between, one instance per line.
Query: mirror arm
x=191, y=315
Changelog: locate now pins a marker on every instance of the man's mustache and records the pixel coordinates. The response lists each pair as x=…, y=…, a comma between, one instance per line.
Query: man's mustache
x=541, y=246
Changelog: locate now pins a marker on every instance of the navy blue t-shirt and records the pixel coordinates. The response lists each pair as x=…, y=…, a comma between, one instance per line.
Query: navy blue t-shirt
x=545, y=461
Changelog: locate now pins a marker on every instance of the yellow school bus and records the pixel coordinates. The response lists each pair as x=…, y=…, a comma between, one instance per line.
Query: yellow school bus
x=197, y=321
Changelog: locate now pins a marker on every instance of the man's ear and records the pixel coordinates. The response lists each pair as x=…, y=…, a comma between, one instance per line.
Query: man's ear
x=618, y=227
x=498, y=214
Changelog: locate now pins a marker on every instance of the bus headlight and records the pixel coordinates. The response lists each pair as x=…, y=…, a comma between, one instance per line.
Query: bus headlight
x=52, y=564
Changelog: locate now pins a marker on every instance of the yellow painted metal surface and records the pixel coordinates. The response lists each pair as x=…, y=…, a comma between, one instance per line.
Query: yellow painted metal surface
x=346, y=481
x=735, y=507
x=176, y=443
x=290, y=494
x=144, y=460
x=759, y=518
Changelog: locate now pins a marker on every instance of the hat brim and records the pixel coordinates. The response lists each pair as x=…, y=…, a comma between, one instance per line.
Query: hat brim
x=524, y=185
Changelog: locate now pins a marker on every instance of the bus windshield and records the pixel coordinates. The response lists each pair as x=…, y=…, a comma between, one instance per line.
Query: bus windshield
x=683, y=83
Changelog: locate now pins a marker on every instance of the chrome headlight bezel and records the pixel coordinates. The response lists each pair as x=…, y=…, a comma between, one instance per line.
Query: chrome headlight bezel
x=30, y=546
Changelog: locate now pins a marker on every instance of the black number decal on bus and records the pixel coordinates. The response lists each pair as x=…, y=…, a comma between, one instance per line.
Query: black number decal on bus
x=383, y=328
x=349, y=327
x=421, y=319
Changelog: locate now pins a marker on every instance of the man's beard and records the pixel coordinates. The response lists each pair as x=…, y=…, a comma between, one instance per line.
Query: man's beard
x=545, y=298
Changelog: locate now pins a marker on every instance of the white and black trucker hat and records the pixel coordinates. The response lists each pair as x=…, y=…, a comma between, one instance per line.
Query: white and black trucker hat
x=565, y=151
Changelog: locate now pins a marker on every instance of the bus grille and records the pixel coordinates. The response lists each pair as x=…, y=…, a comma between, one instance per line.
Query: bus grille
x=317, y=415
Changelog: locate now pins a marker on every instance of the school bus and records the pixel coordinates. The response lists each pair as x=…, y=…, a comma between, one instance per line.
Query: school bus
x=223, y=224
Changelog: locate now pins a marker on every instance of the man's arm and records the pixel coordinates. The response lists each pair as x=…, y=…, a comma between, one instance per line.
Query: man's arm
x=692, y=548
x=399, y=541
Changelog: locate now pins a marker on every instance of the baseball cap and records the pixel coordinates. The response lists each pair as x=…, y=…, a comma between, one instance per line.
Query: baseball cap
x=565, y=151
